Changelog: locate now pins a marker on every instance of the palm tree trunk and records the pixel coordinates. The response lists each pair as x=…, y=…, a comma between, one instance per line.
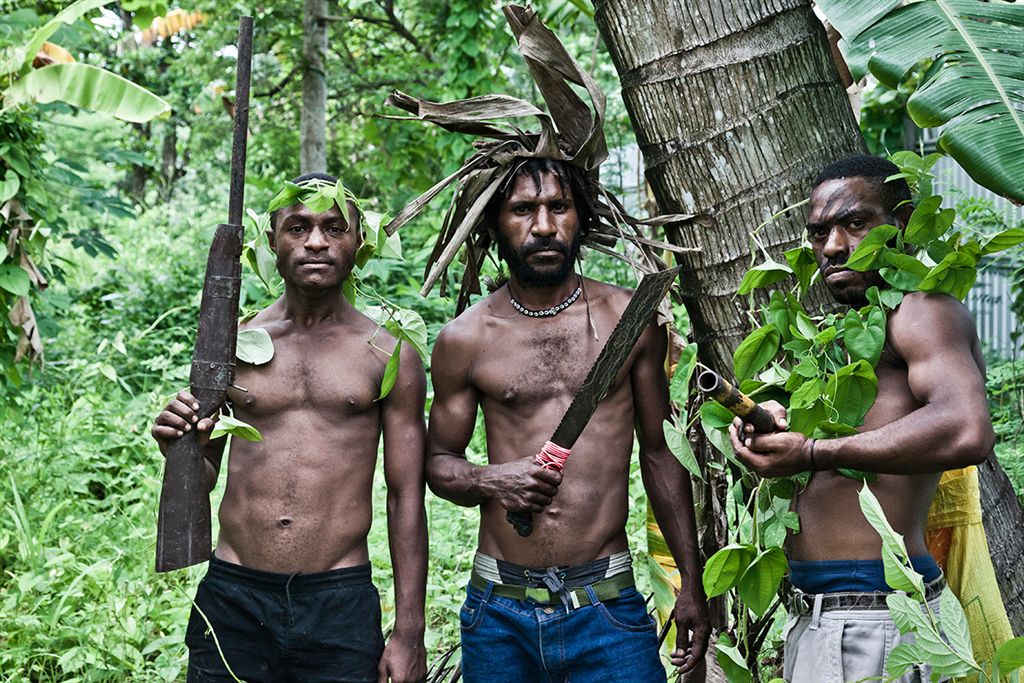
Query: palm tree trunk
x=736, y=108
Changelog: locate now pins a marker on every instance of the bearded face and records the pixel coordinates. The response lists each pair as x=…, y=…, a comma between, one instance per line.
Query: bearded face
x=539, y=231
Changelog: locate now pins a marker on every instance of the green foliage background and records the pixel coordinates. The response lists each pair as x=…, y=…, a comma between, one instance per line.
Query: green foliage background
x=130, y=209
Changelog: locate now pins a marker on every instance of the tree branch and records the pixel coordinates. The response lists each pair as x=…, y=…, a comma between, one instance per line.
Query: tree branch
x=392, y=22
x=280, y=86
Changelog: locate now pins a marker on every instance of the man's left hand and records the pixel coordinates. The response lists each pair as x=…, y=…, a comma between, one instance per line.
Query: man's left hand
x=693, y=629
x=779, y=454
x=404, y=660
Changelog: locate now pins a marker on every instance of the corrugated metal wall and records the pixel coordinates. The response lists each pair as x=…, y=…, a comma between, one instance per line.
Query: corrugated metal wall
x=989, y=302
x=990, y=299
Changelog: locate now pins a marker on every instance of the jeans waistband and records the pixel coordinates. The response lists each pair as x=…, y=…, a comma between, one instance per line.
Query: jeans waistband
x=571, y=585
x=852, y=576
x=359, y=575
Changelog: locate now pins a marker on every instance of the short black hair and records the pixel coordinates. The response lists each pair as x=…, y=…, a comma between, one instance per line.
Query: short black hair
x=570, y=178
x=301, y=180
x=875, y=170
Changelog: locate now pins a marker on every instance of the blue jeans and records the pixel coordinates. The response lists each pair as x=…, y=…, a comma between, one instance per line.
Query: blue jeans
x=520, y=641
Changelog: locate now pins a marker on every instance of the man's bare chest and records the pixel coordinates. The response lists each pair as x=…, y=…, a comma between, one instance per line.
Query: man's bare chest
x=328, y=376
x=535, y=364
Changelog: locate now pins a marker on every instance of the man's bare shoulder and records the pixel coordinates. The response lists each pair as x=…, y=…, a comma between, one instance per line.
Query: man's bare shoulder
x=930, y=321
x=266, y=317
x=467, y=327
x=605, y=295
x=352, y=324
x=924, y=308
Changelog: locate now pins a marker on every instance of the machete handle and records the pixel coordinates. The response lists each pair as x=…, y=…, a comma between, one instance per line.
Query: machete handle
x=521, y=521
x=736, y=402
x=551, y=457
x=183, y=522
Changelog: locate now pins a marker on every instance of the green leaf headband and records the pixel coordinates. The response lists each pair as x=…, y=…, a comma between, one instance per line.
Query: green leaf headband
x=317, y=194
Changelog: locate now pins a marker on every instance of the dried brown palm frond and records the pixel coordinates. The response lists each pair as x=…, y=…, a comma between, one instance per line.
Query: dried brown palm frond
x=570, y=131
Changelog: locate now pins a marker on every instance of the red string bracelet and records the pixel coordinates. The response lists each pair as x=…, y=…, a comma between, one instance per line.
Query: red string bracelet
x=552, y=456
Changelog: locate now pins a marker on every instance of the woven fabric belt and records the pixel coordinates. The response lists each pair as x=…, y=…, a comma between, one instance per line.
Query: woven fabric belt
x=605, y=589
x=801, y=603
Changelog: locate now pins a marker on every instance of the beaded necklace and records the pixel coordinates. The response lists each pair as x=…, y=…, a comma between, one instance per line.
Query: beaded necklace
x=546, y=312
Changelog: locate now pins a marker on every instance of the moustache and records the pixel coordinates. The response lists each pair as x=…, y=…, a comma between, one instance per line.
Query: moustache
x=544, y=244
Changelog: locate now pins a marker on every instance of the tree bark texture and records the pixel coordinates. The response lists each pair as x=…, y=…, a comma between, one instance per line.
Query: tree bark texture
x=1003, y=518
x=736, y=107
x=313, y=121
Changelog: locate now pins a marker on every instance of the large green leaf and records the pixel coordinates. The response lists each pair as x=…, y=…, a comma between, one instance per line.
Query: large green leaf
x=227, y=424
x=762, y=275
x=9, y=185
x=871, y=248
x=974, y=89
x=1006, y=239
x=761, y=580
x=407, y=325
x=390, y=372
x=680, y=447
x=254, y=346
x=928, y=222
x=14, y=279
x=865, y=336
x=755, y=351
x=88, y=87
x=852, y=391
x=1010, y=655
x=895, y=560
x=724, y=569
x=804, y=266
x=731, y=660
x=954, y=275
x=679, y=387
x=68, y=15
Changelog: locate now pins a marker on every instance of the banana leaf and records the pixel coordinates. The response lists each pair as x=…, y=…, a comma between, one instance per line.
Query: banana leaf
x=68, y=15
x=973, y=87
x=88, y=87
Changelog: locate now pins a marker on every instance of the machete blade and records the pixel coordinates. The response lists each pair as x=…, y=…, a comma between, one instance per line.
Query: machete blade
x=620, y=343
x=602, y=373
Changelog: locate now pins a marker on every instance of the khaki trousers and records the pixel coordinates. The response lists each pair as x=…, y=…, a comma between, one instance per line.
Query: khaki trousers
x=842, y=646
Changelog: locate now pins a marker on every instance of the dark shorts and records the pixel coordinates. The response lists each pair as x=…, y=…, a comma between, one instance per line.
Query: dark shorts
x=281, y=627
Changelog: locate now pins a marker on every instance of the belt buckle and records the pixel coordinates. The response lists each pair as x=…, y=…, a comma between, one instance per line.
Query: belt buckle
x=539, y=595
x=799, y=604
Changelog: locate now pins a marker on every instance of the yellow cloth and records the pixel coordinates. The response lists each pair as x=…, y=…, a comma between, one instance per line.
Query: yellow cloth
x=956, y=538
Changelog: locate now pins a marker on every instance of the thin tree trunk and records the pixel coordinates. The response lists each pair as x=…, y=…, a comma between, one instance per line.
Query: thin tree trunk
x=169, y=171
x=139, y=174
x=1004, y=521
x=313, y=124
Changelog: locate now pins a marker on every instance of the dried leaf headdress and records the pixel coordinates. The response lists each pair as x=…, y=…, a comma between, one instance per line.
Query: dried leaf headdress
x=571, y=132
